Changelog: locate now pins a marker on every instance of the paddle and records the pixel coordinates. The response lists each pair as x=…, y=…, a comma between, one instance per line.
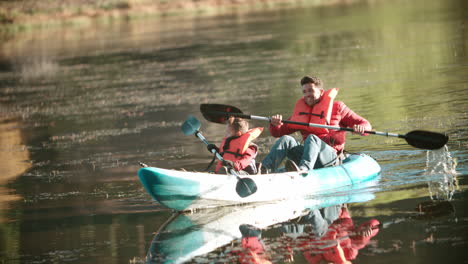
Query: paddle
x=219, y=113
x=244, y=186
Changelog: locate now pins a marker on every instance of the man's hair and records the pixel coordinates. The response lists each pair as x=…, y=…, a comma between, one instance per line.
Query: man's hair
x=314, y=80
x=238, y=124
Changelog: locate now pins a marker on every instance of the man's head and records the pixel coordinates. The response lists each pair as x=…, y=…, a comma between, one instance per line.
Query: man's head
x=314, y=80
x=237, y=126
x=311, y=89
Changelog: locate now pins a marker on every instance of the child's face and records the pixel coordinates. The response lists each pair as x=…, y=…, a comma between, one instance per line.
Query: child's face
x=229, y=131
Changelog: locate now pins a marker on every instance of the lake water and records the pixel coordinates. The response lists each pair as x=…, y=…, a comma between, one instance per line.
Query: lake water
x=81, y=106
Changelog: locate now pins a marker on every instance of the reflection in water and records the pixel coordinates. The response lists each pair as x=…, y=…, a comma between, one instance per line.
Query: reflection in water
x=14, y=157
x=316, y=230
x=287, y=231
x=431, y=209
x=226, y=233
x=14, y=160
x=331, y=235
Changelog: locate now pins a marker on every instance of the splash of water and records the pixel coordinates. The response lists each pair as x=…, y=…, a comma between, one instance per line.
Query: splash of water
x=442, y=167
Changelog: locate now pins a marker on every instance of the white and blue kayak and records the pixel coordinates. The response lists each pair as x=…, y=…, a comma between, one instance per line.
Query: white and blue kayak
x=188, y=191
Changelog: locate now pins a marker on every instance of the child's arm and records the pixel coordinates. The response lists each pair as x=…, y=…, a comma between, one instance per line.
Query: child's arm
x=249, y=154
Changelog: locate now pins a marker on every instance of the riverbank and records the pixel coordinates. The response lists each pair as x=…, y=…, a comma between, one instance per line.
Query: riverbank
x=27, y=14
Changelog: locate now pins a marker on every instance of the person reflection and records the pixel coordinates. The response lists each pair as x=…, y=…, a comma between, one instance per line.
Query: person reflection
x=329, y=235
x=252, y=247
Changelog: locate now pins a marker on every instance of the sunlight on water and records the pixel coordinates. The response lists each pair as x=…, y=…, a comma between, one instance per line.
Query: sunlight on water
x=441, y=164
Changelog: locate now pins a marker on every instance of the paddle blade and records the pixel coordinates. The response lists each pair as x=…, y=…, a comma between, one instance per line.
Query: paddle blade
x=245, y=187
x=426, y=139
x=218, y=113
x=191, y=125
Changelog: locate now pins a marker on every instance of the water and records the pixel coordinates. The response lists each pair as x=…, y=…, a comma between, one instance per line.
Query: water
x=80, y=106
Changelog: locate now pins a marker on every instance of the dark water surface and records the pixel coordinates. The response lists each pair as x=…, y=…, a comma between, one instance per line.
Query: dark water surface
x=80, y=106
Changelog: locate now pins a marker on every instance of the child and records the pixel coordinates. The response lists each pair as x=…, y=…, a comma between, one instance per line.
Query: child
x=237, y=148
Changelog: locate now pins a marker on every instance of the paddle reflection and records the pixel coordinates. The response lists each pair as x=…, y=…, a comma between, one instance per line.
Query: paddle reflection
x=317, y=228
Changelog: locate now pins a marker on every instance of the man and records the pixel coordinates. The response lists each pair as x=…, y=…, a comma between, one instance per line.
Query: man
x=321, y=146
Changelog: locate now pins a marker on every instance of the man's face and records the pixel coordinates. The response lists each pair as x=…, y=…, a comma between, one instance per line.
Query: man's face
x=311, y=93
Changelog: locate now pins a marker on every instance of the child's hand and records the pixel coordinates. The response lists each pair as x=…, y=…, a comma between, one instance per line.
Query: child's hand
x=210, y=148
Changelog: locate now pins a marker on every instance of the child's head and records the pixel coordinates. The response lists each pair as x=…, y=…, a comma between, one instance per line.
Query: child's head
x=236, y=126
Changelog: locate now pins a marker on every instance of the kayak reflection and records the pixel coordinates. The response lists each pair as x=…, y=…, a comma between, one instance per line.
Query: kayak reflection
x=312, y=225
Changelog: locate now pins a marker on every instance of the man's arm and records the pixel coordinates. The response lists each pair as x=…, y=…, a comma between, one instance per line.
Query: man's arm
x=278, y=128
x=350, y=119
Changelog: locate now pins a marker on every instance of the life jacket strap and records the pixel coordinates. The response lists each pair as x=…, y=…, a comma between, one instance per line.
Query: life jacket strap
x=319, y=115
x=237, y=154
x=226, y=147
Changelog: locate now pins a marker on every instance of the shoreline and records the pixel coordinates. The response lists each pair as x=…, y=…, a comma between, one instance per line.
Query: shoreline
x=29, y=14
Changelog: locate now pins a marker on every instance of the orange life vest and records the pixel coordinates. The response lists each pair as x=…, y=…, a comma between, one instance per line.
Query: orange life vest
x=320, y=113
x=233, y=148
x=253, y=252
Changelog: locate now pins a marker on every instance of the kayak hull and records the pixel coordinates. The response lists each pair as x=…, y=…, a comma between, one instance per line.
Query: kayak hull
x=184, y=191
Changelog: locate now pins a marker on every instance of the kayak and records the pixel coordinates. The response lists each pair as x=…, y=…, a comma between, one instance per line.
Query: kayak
x=185, y=191
x=189, y=191
x=186, y=236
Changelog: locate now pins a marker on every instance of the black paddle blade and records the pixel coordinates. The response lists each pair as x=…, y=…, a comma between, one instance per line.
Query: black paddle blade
x=191, y=125
x=218, y=113
x=426, y=139
x=245, y=187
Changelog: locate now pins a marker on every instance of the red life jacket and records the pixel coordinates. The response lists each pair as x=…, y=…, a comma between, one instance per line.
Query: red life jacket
x=253, y=252
x=320, y=113
x=233, y=148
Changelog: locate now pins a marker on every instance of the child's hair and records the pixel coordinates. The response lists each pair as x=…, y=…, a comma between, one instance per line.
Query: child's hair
x=238, y=124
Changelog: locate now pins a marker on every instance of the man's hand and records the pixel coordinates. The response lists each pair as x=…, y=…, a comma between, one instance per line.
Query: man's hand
x=365, y=231
x=276, y=120
x=359, y=130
